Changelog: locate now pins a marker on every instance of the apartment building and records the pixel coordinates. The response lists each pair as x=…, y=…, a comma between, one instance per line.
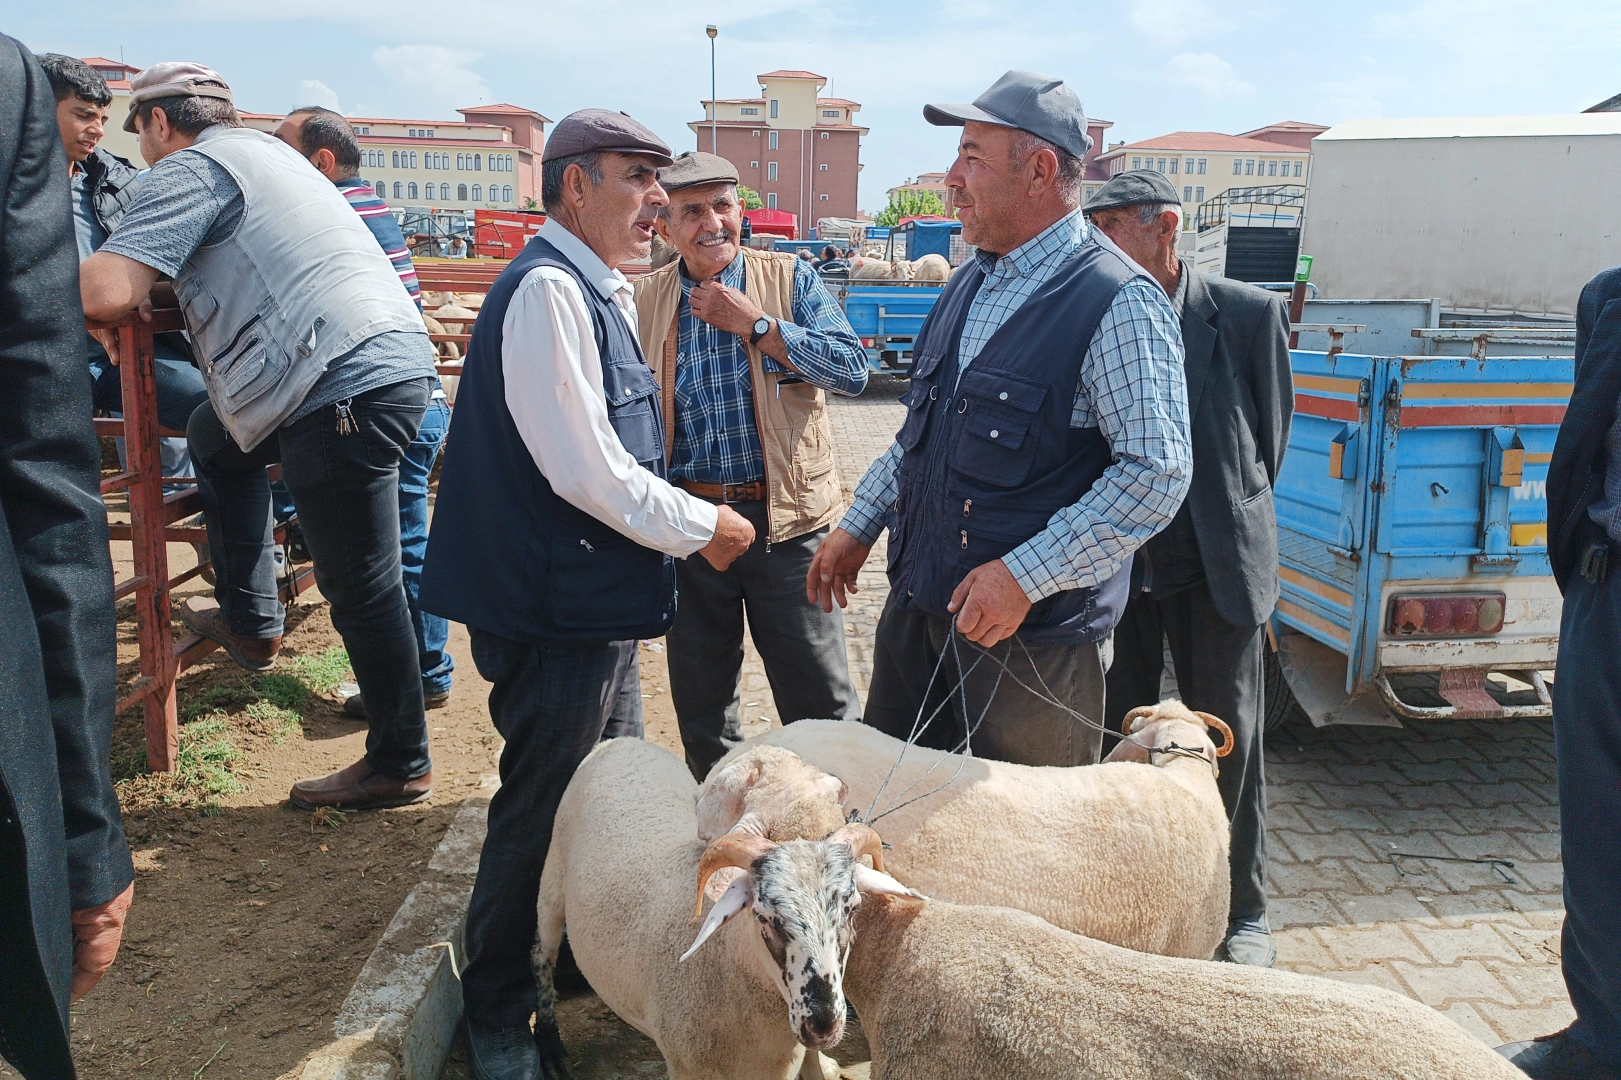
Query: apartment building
x=799, y=150
x=1205, y=164
x=490, y=158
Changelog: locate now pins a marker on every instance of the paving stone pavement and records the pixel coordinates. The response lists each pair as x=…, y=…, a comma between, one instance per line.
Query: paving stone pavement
x=1478, y=942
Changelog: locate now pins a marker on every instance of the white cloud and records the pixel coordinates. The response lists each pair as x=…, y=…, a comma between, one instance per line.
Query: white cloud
x=439, y=76
x=1209, y=74
x=316, y=92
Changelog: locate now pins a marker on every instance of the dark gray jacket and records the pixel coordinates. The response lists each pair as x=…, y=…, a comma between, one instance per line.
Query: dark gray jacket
x=111, y=181
x=61, y=843
x=1576, y=474
x=1240, y=402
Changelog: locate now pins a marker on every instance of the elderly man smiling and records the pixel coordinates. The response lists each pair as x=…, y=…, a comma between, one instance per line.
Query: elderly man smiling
x=747, y=344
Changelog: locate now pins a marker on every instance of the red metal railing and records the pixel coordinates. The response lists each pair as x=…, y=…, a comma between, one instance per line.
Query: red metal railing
x=151, y=528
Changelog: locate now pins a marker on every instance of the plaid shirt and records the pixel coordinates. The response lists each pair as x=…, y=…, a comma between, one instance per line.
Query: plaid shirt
x=716, y=441
x=1132, y=387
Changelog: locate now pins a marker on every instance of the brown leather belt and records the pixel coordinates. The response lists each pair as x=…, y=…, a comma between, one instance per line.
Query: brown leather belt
x=726, y=493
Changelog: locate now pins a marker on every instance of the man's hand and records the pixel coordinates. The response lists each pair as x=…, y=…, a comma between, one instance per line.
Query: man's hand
x=724, y=308
x=97, y=932
x=989, y=604
x=833, y=572
x=733, y=535
x=109, y=338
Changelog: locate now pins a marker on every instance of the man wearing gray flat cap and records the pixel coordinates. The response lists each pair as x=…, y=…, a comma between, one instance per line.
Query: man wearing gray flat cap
x=1046, y=438
x=1210, y=580
x=555, y=538
x=748, y=344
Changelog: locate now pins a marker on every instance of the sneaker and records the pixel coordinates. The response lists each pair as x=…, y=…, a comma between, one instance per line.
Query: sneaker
x=1249, y=941
x=202, y=616
x=1557, y=1057
x=355, y=709
x=504, y=1053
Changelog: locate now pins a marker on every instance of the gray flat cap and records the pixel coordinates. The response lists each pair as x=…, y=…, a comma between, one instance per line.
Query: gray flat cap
x=596, y=130
x=1134, y=189
x=696, y=167
x=174, y=78
x=1039, y=104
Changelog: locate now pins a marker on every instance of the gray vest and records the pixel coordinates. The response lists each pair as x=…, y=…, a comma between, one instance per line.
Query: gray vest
x=300, y=283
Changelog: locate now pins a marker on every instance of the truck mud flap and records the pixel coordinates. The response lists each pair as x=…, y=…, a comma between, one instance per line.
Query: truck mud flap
x=1465, y=692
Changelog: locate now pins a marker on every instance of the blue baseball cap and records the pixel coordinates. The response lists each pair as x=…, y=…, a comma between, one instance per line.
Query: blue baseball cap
x=1028, y=101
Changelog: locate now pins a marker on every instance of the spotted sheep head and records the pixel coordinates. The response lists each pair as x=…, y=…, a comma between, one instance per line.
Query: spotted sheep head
x=802, y=894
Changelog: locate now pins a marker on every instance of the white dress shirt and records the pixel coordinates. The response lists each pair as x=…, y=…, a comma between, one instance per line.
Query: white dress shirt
x=553, y=375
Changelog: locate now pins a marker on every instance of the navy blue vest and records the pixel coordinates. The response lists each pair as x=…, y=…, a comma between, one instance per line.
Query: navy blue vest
x=990, y=458
x=508, y=555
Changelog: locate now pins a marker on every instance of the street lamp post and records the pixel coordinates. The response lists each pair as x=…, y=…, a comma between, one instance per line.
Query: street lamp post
x=714, y=106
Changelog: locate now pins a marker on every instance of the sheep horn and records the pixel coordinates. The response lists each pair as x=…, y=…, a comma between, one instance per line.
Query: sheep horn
x=731, y=849
x=861, y=840
x=1136, y=714
x=1220, y=725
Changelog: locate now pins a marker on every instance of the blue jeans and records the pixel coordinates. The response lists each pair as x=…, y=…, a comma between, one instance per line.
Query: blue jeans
x=180, y=391
x=433, y=632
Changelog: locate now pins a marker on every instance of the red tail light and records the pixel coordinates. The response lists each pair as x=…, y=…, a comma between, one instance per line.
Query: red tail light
x=866, y=343
x=1446, y=614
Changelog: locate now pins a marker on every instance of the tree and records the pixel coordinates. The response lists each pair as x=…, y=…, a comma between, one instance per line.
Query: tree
x=751, y=198
x=909, y=203
x=531, y=204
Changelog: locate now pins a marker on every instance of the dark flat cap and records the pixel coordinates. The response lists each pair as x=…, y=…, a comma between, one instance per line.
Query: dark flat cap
x=1134, y=189
x=696, y=167
x=595, y=130
x=1039, y=104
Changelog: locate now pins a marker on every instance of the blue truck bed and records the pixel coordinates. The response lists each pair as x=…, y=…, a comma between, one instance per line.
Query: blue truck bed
x=887, y=316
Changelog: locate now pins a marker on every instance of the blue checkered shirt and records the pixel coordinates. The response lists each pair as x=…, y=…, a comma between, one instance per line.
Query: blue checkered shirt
x=716, y=440
x=1132, y=388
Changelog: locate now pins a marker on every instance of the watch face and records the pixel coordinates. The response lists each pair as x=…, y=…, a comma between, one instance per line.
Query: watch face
x=762, y=326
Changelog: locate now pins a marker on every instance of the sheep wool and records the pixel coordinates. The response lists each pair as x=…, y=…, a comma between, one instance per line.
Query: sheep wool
x=1129, y=853
x=963, y=993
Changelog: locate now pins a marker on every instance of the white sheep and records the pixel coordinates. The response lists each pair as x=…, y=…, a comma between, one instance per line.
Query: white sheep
x=931, y=267
x=619, y=876
x=962, y=993
x=1126, y=852
x=868, y=269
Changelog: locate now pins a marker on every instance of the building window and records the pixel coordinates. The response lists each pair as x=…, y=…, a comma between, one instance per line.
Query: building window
x=831, y=113
x=1174, y=164
x=1136, y=163
x=399, y=191
x=1272, y=168
x=363, y=130
x=1198, y=194
x=754, y=164
x=381, y=187
x=1187, y=193
x=506, y=192
x=428, y=160
x=461, y=192
x=411, y=190
x=1297, y=167
x=477, y=163
x=1161, y=165
x=771, y=170
x=444, y=191
x=461, y=161
x=478, y=192
x=825, y=135
x=1249, y=166
x=1091, y=191
x=1201, y=166
x=1187, y=166
x=755, y=133
x=771, y=140
x=394, y=159
x=824, y=166
x=749, y=111
x=771, y=200
x=1238, y=166
x=413, y=156
x=824, y=198
x=773, y=108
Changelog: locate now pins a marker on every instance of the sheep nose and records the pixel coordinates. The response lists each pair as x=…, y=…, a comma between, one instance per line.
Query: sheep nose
x=822, y=1032
x=823, y=1024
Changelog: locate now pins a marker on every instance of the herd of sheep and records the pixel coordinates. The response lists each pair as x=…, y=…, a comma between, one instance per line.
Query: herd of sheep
x=1012, y=921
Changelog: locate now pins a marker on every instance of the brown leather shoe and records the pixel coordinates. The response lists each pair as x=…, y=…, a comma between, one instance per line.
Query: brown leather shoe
x=202, y=616
x=359, y=787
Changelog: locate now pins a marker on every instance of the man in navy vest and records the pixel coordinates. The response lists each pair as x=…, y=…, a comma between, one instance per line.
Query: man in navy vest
x=1046, y=438
x=555, y=538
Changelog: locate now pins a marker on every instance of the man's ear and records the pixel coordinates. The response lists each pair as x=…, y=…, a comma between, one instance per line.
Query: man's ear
x=324, y=161
x=661, y=225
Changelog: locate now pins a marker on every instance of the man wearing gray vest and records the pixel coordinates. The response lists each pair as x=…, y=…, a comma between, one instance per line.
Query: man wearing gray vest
x=314, y=357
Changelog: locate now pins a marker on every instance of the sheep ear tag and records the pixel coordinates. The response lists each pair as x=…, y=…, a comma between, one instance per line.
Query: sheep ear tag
x=738, y=895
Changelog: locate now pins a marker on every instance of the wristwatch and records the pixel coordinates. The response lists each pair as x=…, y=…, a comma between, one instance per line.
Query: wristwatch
x=762, y=327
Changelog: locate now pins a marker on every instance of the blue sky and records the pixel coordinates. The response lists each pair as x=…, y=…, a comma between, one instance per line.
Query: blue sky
x=1151, y=66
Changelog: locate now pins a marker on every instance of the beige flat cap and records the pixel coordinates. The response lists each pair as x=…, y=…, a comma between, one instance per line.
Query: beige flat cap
x=174, y=78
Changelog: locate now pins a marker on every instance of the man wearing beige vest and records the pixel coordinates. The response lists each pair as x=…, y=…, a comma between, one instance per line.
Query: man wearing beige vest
x=746, y=344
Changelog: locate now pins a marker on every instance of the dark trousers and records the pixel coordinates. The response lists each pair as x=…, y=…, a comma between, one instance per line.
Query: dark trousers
x=551, y=704
x=1587, y=741
x=801, y=645
x=346, y=487
x=1008, y=722
x=1218, y=671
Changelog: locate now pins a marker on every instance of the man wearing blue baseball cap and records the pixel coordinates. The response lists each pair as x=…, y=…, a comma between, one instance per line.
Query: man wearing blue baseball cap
x=1046, y=439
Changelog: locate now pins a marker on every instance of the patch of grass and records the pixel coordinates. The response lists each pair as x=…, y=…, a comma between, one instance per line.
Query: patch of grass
x=273, y=720
x=321, y=673
x=206, y=755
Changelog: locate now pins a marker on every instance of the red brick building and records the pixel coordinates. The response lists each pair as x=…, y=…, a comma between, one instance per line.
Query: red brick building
x=800, y=151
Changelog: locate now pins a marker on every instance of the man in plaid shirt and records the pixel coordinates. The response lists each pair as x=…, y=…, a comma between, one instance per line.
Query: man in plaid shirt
x=747, y=345
x=1046, y=439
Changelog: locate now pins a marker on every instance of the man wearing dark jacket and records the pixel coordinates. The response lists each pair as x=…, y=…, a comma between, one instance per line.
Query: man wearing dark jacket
x=1210, y=579
x=65, y=874
x=1584, y=546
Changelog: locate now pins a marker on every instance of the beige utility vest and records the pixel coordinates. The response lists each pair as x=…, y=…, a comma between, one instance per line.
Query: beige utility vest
x=801, y=480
